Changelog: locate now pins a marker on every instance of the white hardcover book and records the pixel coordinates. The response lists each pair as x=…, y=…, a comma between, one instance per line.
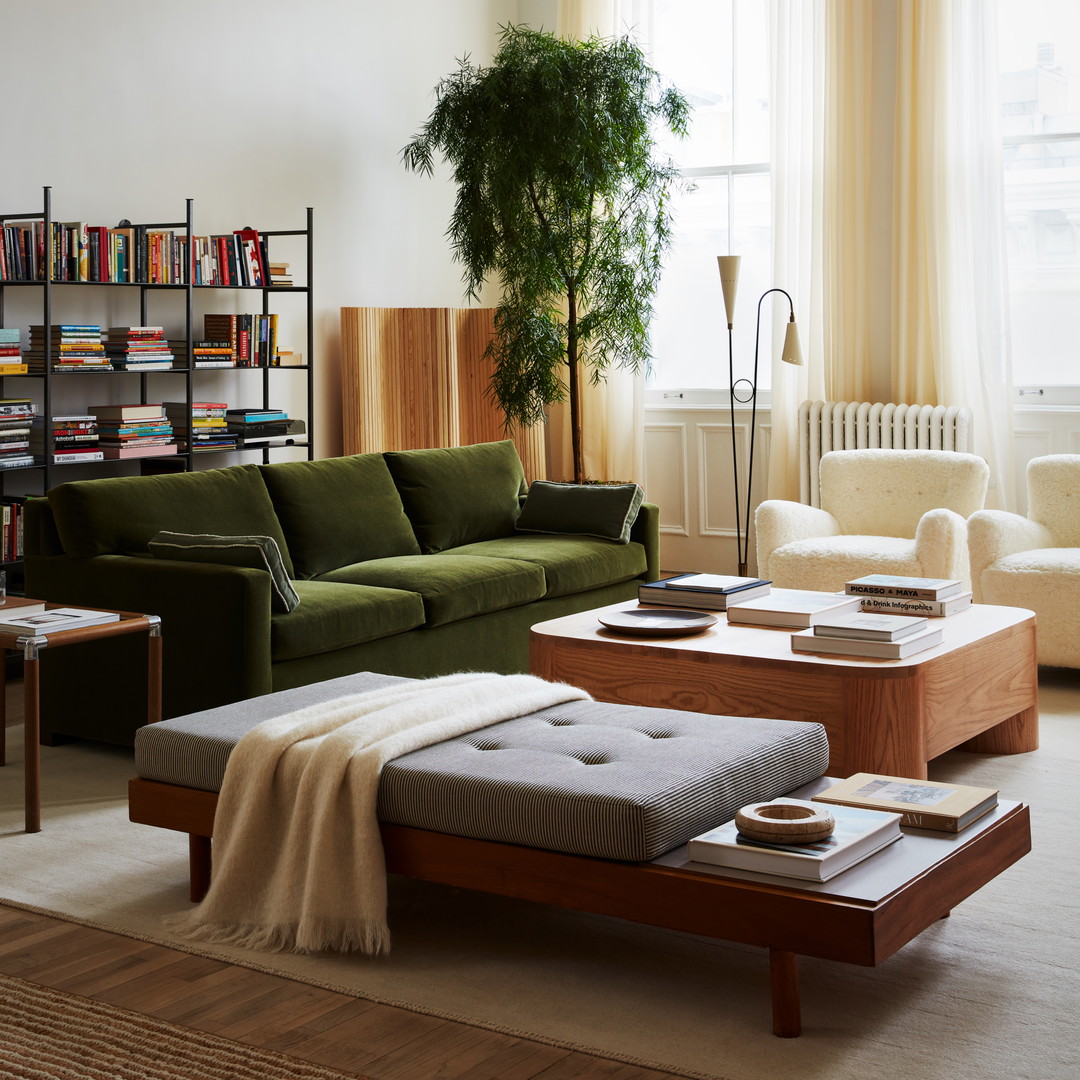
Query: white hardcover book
x=910, y=588
x=871, y=626
x=933, y=609
x=791, y=607
x=858, y=834
x=55, y=619
x=808, y=641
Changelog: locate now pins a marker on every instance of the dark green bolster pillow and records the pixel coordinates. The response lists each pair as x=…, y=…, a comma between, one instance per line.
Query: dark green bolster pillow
x=604, y=510
x=253, y=552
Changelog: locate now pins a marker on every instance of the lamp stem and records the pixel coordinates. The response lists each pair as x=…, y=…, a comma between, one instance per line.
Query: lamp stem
x=735, y=456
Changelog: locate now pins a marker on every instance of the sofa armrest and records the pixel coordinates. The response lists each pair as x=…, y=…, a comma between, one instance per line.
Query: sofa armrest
x=215, y=619
x=778, y=522
x=646, y=531
x=993, y=534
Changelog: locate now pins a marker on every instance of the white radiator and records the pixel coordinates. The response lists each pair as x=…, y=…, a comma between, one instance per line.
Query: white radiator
x=858, y=425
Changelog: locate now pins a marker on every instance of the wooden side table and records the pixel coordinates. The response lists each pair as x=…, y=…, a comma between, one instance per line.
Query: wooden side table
x=30, y=646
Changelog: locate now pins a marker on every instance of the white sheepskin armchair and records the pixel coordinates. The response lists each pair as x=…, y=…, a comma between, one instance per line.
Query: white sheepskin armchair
x=1034, y=562
x=882, y=512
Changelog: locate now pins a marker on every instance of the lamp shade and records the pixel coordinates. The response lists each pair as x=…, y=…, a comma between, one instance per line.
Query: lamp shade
x=729, y=279
x=792, y=353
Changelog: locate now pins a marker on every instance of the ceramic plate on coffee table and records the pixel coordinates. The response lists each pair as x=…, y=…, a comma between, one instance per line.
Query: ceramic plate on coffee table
x=657, y=621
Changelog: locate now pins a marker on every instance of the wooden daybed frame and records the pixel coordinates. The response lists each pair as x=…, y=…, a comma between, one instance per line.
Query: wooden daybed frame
x=936, y=872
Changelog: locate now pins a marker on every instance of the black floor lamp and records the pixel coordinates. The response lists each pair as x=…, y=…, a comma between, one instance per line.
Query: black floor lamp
x=744, y=391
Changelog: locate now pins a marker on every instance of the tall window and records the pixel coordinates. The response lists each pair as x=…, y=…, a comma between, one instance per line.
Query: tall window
x=717, y=53
x=1039, y=49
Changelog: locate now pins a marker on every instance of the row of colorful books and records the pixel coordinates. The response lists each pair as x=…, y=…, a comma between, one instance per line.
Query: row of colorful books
x=75, y=251
x=868, y=811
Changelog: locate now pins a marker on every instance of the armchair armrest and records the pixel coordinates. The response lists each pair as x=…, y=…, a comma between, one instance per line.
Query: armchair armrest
x=993, y=534
x=778, y=522
x=941, y=545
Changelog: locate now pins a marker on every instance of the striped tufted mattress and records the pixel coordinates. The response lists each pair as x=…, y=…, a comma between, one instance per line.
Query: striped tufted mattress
x=587, y=778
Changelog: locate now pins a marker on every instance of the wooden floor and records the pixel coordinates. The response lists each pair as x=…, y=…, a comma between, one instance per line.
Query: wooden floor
x=268, y=1011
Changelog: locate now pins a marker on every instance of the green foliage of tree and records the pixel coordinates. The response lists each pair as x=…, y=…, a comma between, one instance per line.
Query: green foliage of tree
x=561, y=198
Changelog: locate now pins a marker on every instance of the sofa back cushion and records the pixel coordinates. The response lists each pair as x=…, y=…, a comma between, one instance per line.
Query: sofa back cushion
x=338, y=511
x=461, y=494
x=123, y=513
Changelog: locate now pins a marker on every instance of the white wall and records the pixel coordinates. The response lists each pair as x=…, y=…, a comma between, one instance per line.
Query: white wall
x=256, y=109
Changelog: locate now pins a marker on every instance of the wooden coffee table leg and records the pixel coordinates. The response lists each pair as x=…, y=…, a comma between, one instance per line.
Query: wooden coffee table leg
x=1017, y=735
x=784, y=975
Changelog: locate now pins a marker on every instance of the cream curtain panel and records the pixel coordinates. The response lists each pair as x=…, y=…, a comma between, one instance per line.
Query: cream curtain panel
x=613, y=410
x=915, y=279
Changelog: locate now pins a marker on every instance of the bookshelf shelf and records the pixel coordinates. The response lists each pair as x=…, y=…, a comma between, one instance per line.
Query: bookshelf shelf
x=58, y=293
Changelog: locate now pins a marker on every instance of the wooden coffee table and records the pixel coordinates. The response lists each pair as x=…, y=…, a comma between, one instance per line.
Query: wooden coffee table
x=978, y=690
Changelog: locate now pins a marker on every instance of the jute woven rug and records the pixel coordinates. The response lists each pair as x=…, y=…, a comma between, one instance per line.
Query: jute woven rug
x=46, y=1034
x=990, y=992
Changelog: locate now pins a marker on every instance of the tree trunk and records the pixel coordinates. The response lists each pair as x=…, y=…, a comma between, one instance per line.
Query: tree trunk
x=573, y=385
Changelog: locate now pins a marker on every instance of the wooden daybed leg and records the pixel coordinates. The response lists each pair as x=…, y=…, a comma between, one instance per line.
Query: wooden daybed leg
x=786, y=1014
x=198, y=866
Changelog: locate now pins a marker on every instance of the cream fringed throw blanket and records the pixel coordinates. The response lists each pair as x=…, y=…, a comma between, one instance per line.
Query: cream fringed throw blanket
x=298, y=860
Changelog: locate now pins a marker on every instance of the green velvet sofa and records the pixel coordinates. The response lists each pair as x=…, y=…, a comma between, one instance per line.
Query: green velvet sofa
x=412, y=563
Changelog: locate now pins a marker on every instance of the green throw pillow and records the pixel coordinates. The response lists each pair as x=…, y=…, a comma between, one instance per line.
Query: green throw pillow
x=254, y=552
x=604, y=510
x=460, y=494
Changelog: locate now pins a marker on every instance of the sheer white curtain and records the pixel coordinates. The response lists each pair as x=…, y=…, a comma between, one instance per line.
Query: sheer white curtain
x=613, y=410
x=950, y=304
x=798, y=85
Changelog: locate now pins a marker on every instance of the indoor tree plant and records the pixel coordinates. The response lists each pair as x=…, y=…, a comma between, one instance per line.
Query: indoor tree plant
x=561, y=198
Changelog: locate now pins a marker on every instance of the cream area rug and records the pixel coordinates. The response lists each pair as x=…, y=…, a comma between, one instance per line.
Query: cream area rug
x=49, y=1035
x=992, y=991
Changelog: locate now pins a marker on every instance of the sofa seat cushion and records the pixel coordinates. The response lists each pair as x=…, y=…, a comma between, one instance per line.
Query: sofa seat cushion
x=453, y=586
x=338, y=511
x=460, y=494
x=120, y=514
x=332, y=616
x=590, y=778
x=571, y=564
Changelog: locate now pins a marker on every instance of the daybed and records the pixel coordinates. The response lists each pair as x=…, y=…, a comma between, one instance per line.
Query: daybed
x=412, y=563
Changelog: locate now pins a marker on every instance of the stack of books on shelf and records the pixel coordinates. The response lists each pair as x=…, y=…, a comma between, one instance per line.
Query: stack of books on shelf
x=869, y=633
x=203, y=426
x=929, y=597
x=708, y=592
x=280, y=274
x=16, y=416
x=206, y=353
x=74, y=438
x=258, y=426
x=11, y=358
x=252, y=339
x=133, y=431
x=858, y=834
x=138, y=348
x=73, y=347
x=11, y=539
x=793, y=608
x=921, y=804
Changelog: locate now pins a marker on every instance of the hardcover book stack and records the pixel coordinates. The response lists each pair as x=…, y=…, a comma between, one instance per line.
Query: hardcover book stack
x=206, y=353
x=929, y=597
x=73, y=347
x=74, y=438
x=707, y=592
x=16, y=417
x=133, y=431
x=858, y=834
x=203, y=426
x=11, y=358
x=138, y=348
x=254, y=427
